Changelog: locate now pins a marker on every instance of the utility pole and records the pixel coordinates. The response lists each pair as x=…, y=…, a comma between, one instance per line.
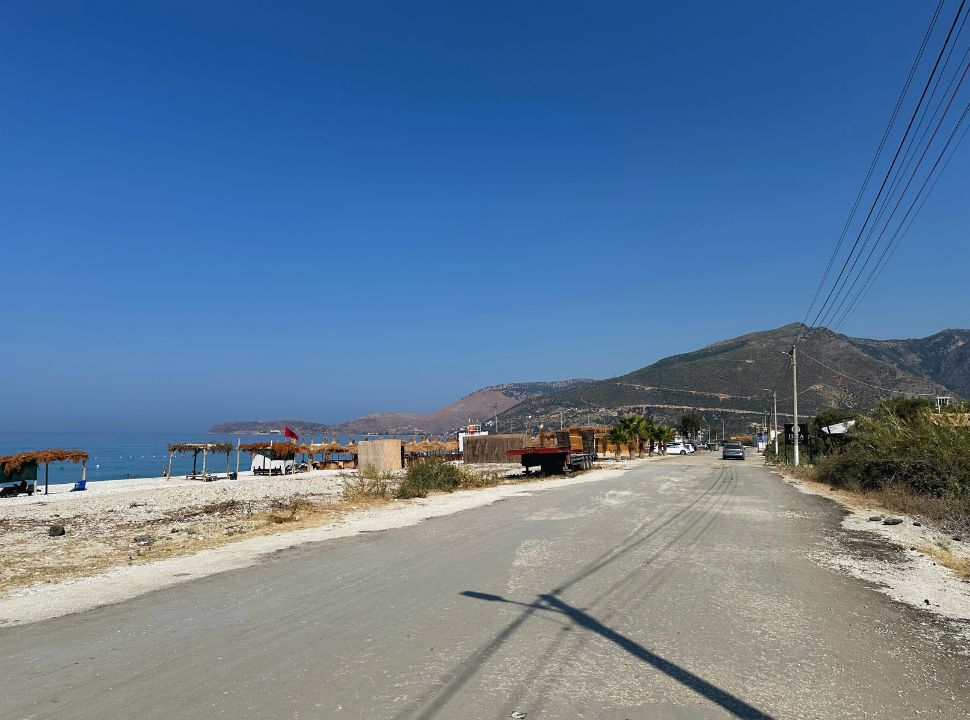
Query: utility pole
x=794, y=385
x=560, y=419
x=774, y=400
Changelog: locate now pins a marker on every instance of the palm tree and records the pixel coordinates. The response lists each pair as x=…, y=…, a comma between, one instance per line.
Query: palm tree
x=667, y=434
x=638, y=428
x=630, y=427
x=617, y=435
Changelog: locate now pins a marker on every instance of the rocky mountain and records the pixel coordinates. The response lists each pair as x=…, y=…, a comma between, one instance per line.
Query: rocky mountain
x=943, y=357
x=480, y=405
x=727, y=380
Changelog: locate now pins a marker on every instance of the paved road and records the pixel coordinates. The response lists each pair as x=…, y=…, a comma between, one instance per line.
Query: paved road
x=683, y=589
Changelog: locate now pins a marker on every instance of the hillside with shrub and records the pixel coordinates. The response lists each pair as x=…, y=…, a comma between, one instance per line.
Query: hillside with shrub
x=726, y=380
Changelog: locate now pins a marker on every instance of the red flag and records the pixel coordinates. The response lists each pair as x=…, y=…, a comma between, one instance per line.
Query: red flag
x=289, y=433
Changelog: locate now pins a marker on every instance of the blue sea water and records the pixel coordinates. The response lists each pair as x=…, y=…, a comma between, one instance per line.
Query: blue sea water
x=115, y=456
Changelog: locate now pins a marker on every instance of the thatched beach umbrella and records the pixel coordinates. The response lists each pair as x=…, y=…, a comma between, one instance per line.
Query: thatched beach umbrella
x=195, y=449
x=13, y=463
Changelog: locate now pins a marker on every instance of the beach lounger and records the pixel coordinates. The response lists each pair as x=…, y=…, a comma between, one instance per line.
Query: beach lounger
x=80, y=486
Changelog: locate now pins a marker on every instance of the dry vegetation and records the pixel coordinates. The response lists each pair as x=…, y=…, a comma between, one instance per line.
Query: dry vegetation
x=94, y=544
x=943, y=555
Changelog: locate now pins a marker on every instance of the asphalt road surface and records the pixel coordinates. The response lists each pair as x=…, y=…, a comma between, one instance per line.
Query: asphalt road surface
x=683, y=589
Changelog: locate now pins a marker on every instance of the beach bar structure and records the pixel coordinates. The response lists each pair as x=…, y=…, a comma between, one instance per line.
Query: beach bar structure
x=205, y=449
x=328, y=450
x=20, y=470
x=272, y=458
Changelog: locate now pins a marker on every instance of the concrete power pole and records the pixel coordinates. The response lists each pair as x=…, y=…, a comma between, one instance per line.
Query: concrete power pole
x=794, y=385
x=774, y=400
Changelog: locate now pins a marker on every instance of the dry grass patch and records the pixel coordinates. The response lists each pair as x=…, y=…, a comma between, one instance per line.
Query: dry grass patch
x=943, y=556
x=369, y=485
x=93, y=546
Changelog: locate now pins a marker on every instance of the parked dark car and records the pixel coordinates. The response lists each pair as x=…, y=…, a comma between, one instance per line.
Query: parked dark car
x=732, y=451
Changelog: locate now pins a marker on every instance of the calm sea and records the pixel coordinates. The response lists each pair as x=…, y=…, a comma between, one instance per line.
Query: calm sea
x=115, y=456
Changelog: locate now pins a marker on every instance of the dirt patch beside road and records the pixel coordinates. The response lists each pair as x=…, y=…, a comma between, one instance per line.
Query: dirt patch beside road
x=909, y=560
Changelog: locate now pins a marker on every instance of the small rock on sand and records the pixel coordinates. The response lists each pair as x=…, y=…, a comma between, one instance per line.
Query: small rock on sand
x=144, y=539
x=56, y=530
x=892, y=521
x=875, y=518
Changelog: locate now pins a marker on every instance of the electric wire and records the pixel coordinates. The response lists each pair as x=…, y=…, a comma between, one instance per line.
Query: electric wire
x=837, y=308
x=863, y=382
x=875, y=158
x=903, y=228
x=909, y=155
x=895, y=242
x=841, y=279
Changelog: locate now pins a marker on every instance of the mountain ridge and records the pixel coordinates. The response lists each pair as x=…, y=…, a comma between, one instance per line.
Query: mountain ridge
x=725, y=380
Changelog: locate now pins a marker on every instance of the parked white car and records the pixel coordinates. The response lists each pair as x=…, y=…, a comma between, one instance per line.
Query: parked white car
x=676, y=448
x=690, y=447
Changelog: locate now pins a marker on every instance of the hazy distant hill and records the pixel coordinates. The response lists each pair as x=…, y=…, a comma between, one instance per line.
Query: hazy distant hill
x=481, y=405
x=727, y=380
x=256, y=427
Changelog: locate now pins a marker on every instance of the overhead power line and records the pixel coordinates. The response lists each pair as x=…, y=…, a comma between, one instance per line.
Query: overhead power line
x=837, y=308
x=891, y=248
x=875, y=158
x=862, y=382
x=847, y=271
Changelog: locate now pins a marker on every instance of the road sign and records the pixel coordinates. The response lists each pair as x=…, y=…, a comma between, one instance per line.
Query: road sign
x=790, y=434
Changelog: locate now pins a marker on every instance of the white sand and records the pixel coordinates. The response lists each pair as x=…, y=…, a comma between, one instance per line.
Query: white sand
x=158, y=495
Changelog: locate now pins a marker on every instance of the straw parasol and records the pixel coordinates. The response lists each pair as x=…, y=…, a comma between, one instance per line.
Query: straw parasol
x=195, y=449
x=13, y=463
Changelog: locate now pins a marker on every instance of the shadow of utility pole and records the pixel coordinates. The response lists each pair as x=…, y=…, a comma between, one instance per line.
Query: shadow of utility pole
x=550, y=603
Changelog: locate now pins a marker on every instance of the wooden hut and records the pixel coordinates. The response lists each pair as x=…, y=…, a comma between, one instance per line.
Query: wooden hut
x=18, y=473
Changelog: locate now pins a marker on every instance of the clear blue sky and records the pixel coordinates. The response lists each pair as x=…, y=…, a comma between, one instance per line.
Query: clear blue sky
x=235, y=210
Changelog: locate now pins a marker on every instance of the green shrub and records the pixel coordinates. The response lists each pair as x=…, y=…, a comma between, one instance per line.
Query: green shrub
x=899, y=444
x=431, y=476
x=370, y=484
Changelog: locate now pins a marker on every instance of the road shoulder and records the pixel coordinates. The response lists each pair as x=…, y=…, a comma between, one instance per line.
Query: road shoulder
x=899, y=560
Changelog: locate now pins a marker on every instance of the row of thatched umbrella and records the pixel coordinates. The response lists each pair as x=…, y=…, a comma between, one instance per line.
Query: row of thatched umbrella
x=275, y=450
x=431, y=446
